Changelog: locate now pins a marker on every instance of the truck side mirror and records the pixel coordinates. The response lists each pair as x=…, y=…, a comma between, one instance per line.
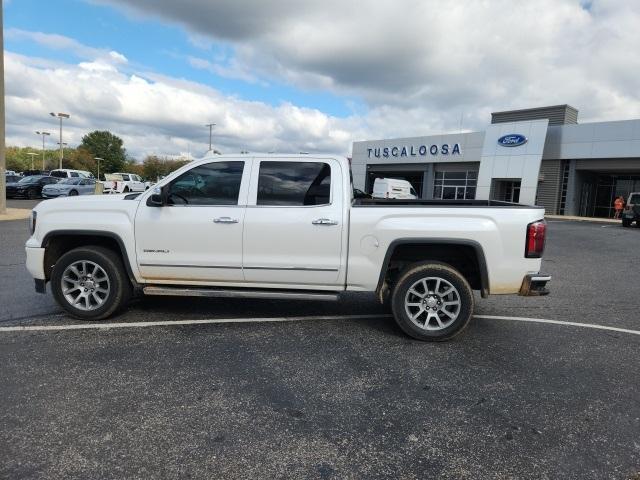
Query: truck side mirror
x=157, y=198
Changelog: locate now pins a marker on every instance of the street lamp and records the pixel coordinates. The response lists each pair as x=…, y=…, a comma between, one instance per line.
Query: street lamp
x=98, y=160
x=32, y=154
x=60, y=116
x=44, y=134
x=210, y=125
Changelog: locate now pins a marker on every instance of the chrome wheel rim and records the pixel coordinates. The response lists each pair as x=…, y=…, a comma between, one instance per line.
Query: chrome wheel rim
x=85, y=285
x=432, y=303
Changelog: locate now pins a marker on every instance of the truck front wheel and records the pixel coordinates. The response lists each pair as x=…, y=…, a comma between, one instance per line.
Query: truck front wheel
x=432, y=301
x=90, y=283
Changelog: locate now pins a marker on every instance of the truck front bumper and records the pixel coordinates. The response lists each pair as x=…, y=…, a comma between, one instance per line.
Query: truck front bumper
x=534, y=284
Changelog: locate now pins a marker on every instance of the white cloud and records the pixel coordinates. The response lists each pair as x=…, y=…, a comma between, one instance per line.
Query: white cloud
x=155, y=114
x=437, y=57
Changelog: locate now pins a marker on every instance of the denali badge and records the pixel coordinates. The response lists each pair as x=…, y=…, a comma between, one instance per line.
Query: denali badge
x=512, y=140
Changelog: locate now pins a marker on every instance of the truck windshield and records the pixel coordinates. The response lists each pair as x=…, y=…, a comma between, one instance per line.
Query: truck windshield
x=634, y=199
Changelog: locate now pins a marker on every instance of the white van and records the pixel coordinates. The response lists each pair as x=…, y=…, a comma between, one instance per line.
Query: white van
x=68, y=173
x=393, y=188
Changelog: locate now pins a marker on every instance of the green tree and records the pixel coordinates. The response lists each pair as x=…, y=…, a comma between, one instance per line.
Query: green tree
x=106, y=145
x=155, y=167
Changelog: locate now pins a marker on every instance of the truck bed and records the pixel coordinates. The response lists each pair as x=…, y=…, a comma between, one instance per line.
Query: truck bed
x=393, y=202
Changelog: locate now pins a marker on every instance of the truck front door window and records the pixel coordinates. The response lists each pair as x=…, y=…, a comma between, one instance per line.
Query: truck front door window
x=216, y=183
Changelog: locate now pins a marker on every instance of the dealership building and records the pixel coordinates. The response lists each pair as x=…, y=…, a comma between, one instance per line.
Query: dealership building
x=538, y=155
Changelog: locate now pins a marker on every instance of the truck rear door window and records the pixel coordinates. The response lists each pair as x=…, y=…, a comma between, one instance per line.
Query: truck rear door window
x=216, y=183
x=294, y=183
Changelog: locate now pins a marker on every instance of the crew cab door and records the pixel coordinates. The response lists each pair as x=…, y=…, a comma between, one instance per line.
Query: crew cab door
x=294, y=225
x=197, y=236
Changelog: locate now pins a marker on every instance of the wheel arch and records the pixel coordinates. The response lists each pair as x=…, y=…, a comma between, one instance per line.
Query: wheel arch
x=438, y=246
x=57, y=242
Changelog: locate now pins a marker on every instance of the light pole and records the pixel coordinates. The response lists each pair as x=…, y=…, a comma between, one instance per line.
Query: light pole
x=60, y=116
x=210, y=125
x=32, y=154
x=44, y=134
x=98, y=160
x=3, y=162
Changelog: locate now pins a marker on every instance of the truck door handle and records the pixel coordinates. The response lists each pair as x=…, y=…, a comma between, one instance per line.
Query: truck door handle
x=324, y=221
x=225, y=220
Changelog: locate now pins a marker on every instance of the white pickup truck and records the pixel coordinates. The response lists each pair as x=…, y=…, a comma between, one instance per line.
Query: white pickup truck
x=123, y=183
x=268, y=226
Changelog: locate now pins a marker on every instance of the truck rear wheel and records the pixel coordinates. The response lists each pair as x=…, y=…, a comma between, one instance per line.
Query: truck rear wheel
x=432, y=302
x=90, y=283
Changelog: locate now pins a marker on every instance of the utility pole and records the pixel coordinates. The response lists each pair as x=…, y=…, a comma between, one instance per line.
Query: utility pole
x=60, y=116
x=32, y=154
x=3, y=159
x=44, y=134
x=210, y=125
x=98, y=160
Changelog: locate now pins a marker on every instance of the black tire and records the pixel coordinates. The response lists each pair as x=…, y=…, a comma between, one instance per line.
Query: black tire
x=119, y=285
x=416, y=273
x=73, y=193
x=626, y=222
x=32, y=194
x=126, y=190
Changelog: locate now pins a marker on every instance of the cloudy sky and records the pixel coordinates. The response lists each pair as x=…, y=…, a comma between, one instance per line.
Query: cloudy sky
x=313, y=75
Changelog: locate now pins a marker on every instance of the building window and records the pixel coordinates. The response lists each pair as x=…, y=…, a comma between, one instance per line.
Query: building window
x=455, y=185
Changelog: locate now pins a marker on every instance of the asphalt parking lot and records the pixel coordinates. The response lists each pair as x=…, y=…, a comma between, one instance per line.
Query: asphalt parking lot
x=346, y=395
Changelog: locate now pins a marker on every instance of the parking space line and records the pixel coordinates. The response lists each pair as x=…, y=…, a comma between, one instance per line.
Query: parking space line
x=207, y=321
x=168, y=323
x=559, y=322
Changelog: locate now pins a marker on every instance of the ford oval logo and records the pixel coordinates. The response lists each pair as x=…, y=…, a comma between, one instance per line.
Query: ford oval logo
x=512, y=140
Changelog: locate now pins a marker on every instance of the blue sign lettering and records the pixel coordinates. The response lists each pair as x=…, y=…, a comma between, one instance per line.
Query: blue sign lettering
x=385, y=152
x=394, y=151
x=456, y=149
x=422, y=150
x=433, y=149
x=445, y=149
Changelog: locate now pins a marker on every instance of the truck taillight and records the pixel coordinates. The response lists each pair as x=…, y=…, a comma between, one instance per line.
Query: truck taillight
x=536, y=233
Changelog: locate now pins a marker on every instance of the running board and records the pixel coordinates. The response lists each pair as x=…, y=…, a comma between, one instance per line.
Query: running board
x=240, y=293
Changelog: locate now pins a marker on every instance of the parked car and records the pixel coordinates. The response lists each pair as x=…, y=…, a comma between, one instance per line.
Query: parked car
x=393, y=188
x=10, y=172
x=68, y=173
x=70, y=187
x=285, y=227
x=123, y=183
x=631, y=212
x=29, y=187
x=28, y=173
x=12, y=178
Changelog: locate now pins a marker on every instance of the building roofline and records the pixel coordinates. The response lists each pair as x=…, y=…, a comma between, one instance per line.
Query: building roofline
x=522, y=110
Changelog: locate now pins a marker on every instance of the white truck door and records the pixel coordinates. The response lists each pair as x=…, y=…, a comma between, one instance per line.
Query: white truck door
x=294, y=223
x=197, y=237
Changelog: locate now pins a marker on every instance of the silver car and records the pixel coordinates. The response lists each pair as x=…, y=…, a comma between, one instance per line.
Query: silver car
x=70, y=187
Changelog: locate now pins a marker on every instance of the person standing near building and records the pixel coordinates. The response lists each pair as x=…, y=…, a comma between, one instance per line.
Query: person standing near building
x=618, y=205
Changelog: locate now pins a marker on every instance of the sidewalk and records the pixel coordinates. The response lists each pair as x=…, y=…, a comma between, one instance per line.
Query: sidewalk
x=15, y=214
x=583, y=219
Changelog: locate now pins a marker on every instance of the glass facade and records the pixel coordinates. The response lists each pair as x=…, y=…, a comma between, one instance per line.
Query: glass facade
x=455, y=185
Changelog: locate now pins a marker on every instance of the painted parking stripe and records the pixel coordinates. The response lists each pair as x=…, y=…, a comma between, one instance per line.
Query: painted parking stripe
x=168, y=323
x=207, y=321
x=559, y=322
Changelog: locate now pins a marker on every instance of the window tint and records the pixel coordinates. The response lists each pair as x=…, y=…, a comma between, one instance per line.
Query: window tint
x=73, y=174
x=216, y=183
x=294, y=183
x=125, y=178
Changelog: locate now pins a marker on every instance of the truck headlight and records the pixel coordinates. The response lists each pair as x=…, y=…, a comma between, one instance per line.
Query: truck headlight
x=32, y=221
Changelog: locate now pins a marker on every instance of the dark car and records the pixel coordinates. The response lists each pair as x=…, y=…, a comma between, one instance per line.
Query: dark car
x=29, y=187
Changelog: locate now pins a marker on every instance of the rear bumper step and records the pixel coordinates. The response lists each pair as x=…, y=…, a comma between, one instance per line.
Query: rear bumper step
x=534, y=284
x=239, y=293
